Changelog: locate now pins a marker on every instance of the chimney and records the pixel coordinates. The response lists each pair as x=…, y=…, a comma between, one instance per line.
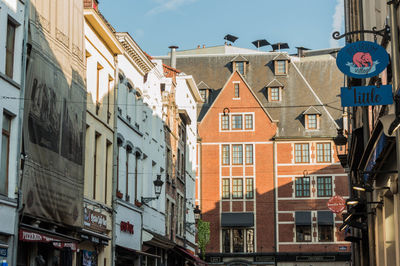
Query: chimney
x=204, y=46
x=300, y=51
x=198, y=46
x=173, y=55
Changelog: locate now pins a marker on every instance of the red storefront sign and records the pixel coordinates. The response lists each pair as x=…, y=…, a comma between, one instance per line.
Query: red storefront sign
x=28, y=236
x=336, y=204
x=126, y=227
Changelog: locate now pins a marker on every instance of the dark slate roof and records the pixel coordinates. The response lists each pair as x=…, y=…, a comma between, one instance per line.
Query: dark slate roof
x=312, y=81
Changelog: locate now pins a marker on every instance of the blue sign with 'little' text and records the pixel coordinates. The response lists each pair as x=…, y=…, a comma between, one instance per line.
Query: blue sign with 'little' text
x=362, y=59
x=366, y=95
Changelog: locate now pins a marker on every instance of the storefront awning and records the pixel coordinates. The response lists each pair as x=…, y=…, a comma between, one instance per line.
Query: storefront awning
x=303, y=218
x=95, y=237
x=136, y=252
x=237, y=219
x=325, y=218
x=157, y=240
x=58, y=242
x=191, y=256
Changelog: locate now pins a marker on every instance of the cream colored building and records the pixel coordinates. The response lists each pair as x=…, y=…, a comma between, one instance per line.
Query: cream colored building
x=101, y=49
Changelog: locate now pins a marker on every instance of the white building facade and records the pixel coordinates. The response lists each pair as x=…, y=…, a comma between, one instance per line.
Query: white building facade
x=12, y=28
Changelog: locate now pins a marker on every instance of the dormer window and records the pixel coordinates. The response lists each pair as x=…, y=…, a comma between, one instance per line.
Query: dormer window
x=274, y=91
x=311, y=118
x=204, y=95
x=240, y=67
x=280, y=67
x=239, y=64
x=274, y=94
x=281, y=64
x=205, y=91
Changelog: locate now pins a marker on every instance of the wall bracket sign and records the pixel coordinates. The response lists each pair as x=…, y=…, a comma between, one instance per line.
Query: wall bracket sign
x=366, y=95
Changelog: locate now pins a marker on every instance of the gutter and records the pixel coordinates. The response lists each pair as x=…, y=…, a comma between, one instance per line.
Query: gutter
x=19, y=170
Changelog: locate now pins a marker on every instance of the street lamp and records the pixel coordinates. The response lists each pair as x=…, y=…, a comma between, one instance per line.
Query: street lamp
x=197, y=213
x=341, y=147
x=158, y=183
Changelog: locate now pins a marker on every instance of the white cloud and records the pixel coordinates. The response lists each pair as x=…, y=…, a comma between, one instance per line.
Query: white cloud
x=337, y=21
x=168, y=5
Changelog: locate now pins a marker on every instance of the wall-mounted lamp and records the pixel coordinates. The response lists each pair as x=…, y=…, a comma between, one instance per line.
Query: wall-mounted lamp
x=364, y=187
x=356, y=201
x=158, y=183
x=226, y=111
x=341, y=147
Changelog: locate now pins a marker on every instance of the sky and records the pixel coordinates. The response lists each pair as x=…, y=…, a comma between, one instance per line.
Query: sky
x=157, y=24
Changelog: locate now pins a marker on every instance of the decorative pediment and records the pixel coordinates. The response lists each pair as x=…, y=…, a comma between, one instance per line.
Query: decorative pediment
x=311, y=111
x=274, y=83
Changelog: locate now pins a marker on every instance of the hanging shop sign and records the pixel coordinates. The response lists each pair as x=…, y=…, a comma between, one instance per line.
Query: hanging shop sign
x=95, y=220
x=362, y=59
x=366, y=95
x=336, y=204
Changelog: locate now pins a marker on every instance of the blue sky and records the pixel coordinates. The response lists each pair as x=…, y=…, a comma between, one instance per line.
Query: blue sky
x=157, y=24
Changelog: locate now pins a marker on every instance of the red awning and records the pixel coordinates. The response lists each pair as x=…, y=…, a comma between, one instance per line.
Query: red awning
x=192, y=256
x=29, y=236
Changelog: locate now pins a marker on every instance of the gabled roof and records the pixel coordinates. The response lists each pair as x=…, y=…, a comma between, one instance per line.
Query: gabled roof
x=311, y=111
x=274, y=83
x=203, y=85
x=281, y=56
x=239, y=58
x=251, y=91
x=312, y=81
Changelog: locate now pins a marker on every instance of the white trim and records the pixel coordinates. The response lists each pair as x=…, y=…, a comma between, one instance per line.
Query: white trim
x=295, y=164
x=314, y=243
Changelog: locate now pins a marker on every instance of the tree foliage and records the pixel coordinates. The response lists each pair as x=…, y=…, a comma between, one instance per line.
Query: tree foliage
x=203, y=236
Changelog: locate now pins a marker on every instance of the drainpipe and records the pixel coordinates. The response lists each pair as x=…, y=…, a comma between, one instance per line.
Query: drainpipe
x=173, y=55
x=115, y=167
x=394, y=39
x=19, y=168
x=275, y=196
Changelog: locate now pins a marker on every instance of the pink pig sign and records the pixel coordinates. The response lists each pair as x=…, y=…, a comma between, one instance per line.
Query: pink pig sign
x=362, y=59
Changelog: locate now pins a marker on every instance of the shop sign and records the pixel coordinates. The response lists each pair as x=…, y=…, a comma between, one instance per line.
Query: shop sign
x=342, y=248
x=28, y=236
x=366, y=95
x=126, y=227
x=3, y=252
x=336, y=204
x=362, y=59
x=95, y=220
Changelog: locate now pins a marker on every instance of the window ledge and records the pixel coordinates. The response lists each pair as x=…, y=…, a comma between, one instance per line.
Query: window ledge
x=10, y=81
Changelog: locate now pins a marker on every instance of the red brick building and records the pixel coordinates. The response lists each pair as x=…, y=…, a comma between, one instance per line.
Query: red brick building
x=267, y=164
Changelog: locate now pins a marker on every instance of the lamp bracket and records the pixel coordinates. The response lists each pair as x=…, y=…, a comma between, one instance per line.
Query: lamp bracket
x=383, y=32
x=148, y=199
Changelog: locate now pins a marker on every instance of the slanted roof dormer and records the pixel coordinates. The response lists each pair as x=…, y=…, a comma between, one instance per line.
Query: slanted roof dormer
x=205, y=91
x=274, y=91
x=239, y=63
x=281, y=62
x=311, y=118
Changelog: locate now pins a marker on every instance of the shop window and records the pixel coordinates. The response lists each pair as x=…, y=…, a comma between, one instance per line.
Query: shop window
x=303, y=233
x=323, y=153
x=302, y=153
x=325, y=233
x=237, y=240
x=324, y=186
x=303, y=186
